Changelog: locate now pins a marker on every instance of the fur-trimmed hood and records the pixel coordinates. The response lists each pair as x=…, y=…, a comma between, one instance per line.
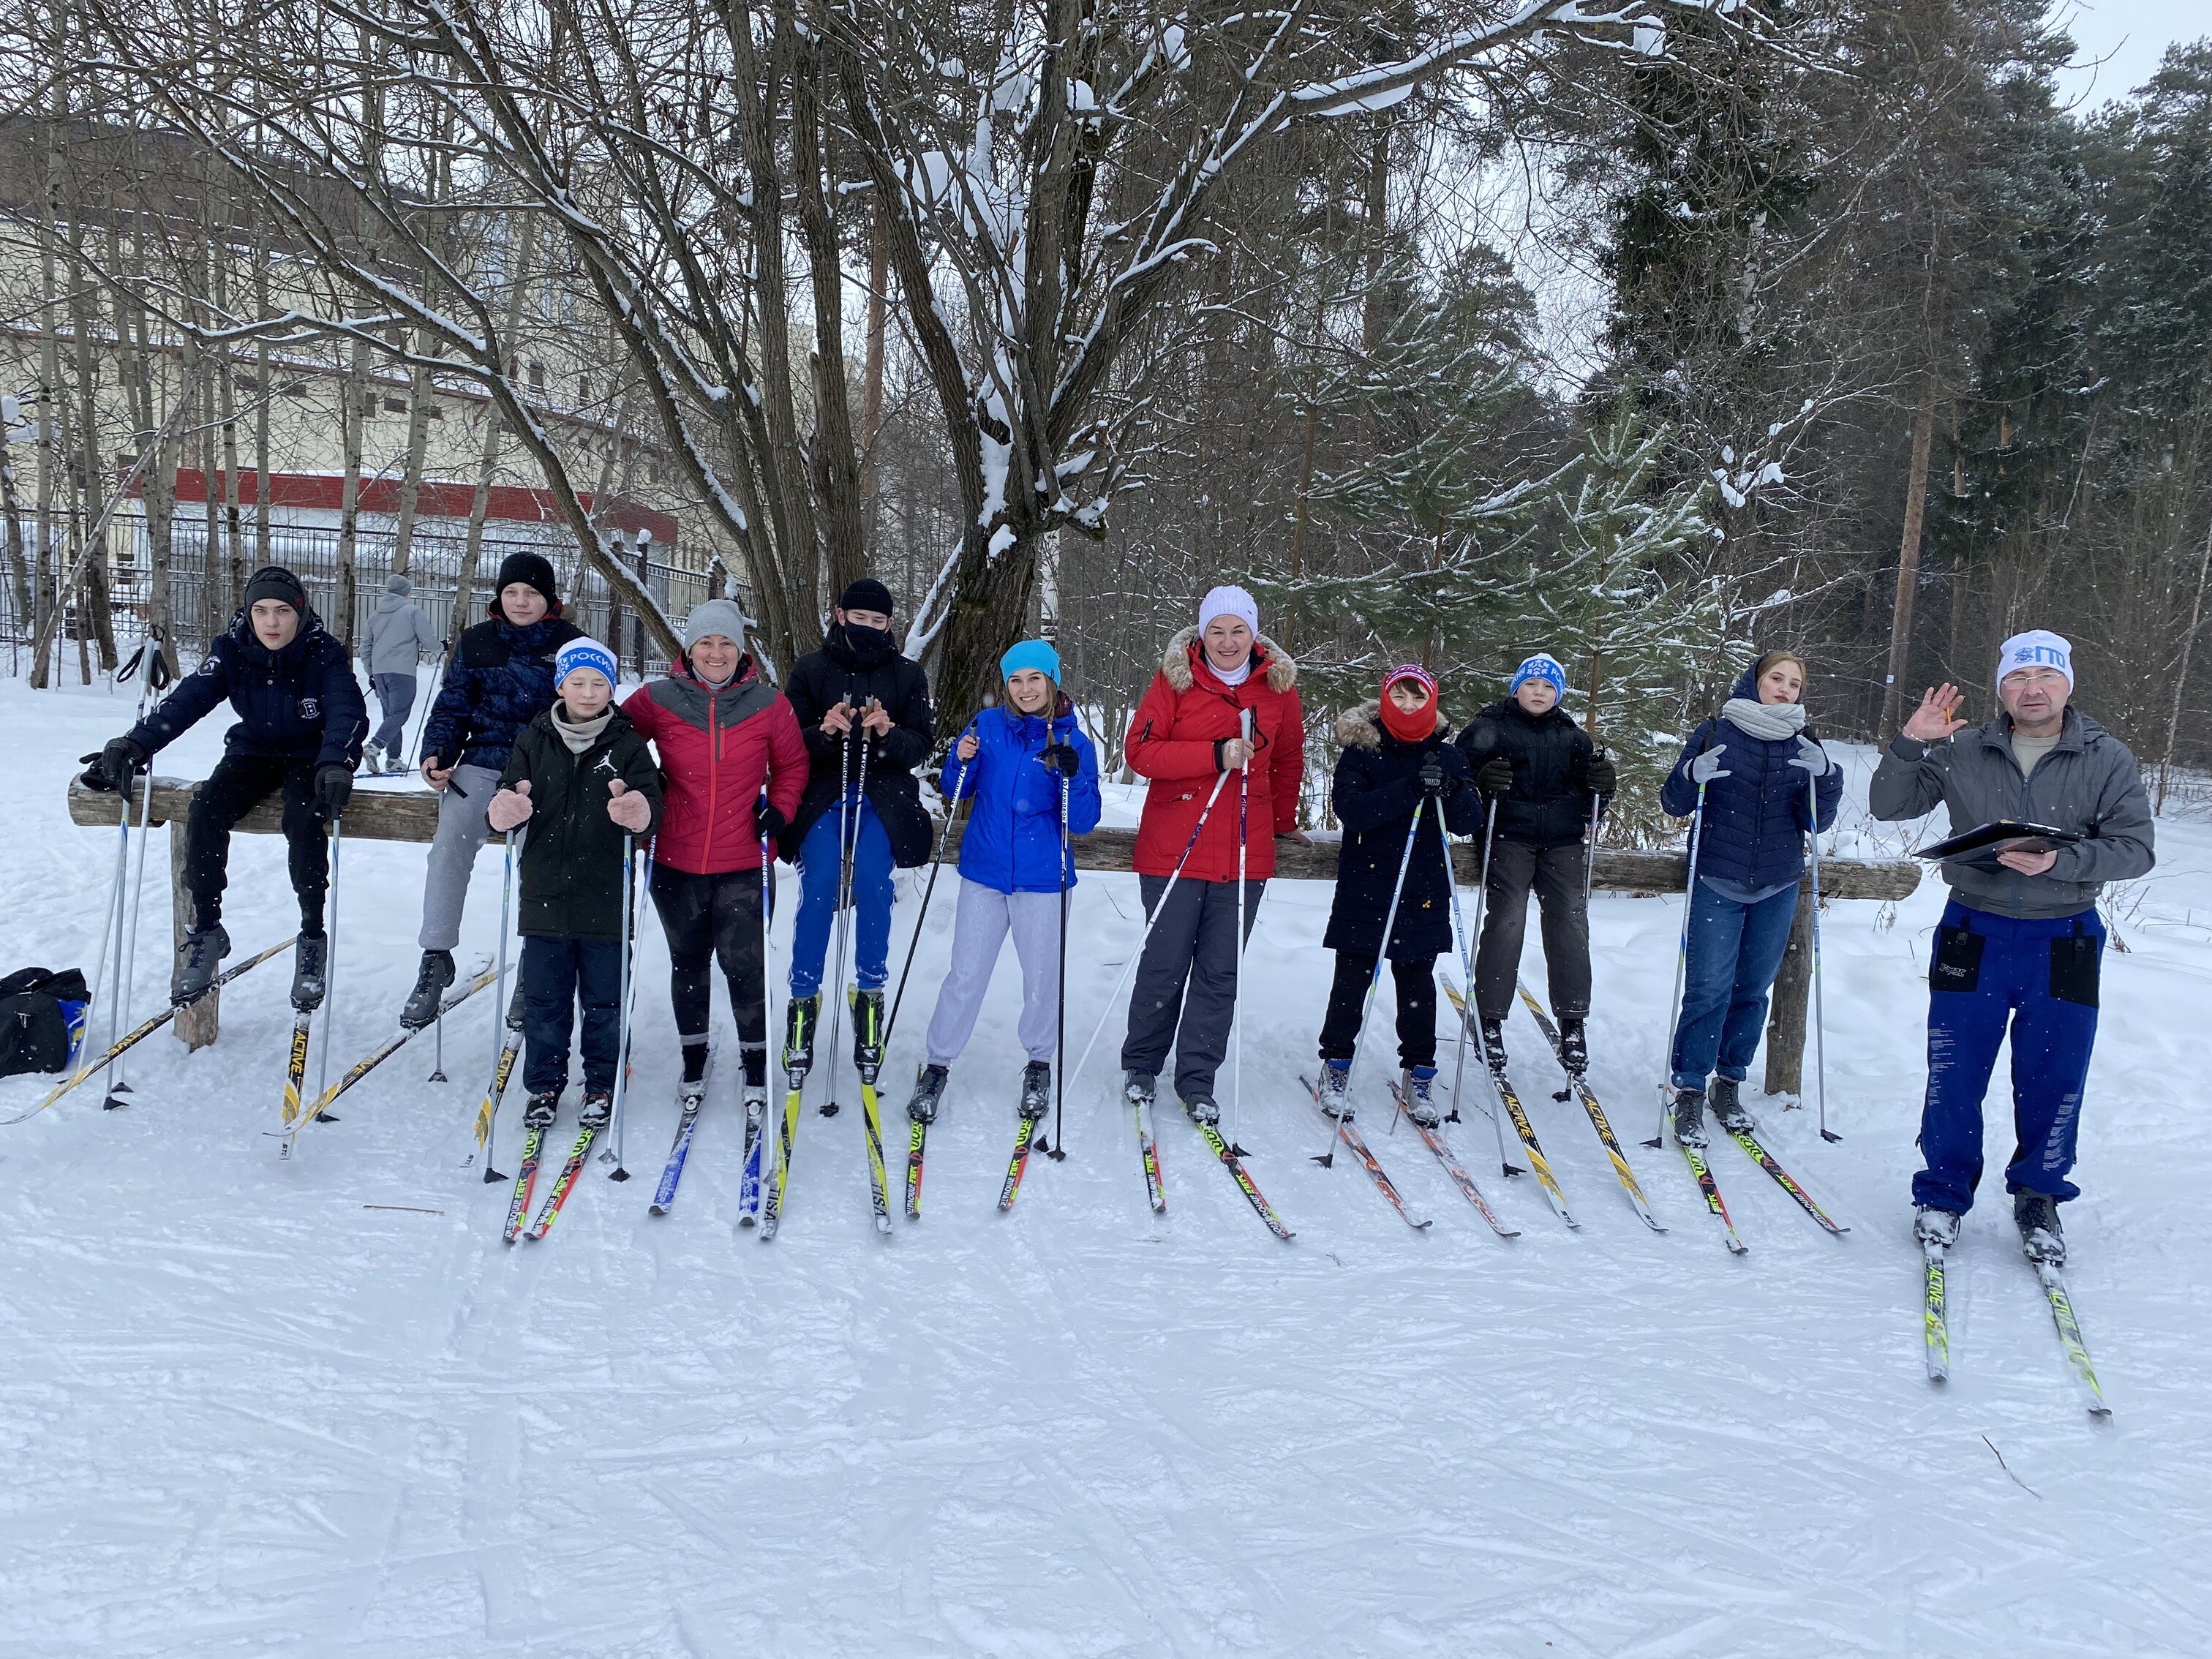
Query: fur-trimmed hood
x=1360, y=727
x=1175, y=663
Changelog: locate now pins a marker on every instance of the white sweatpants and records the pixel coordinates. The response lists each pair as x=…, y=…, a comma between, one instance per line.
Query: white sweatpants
x=979, y=928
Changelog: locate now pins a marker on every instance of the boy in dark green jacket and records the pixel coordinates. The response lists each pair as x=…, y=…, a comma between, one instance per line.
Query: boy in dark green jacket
x=583, y=780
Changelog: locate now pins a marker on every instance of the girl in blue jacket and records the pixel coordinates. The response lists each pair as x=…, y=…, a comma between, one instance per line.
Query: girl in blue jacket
x=1761, y=769
x=1013, y=761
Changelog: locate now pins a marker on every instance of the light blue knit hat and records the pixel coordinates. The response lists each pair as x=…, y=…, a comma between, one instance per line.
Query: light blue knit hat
x=1541, y=666
x=1030, y=653
x=585, y=653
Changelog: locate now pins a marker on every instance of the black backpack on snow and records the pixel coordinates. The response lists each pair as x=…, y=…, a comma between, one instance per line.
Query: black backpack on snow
x=41, y=1019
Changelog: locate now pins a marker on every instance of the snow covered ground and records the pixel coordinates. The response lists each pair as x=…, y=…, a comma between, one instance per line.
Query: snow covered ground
x=319, y=1408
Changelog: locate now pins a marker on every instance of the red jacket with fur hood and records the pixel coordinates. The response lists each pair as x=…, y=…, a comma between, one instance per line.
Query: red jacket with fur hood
x=718, y=749
x=1172, y=741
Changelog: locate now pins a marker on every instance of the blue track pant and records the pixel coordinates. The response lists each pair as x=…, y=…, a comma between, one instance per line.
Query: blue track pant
x=872, y=892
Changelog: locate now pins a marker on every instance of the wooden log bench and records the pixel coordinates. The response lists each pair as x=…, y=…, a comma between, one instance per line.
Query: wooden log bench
x=411, y=815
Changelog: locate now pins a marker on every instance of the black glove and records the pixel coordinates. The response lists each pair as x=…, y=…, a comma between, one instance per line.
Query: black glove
x=115, y=767
x=1062, y=758
x=1599, y=777
x=333, y=789
x=769, y=823
x=1432, y=777
x=1496, y=776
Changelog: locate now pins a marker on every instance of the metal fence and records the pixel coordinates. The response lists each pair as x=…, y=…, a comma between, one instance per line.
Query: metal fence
x=311, y=553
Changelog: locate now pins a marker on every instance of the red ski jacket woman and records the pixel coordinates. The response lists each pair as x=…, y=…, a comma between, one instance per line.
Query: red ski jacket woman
x=1176, y=741
x=717, y=747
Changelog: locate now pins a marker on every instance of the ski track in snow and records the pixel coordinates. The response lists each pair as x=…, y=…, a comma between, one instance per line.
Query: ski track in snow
x=248, y=1413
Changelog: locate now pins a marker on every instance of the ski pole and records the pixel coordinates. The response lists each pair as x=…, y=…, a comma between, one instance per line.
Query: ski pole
x=1059, y=1147
x=1590, y=848
x=331, y=960
x=157, y=677
x=1236, y=986
x=1682, y=973
x=1145, y=938
x=768, y=1025
x=1820, y=1017
x=846, y=851
x=1467, y=1001
x=499, y=1019
x=944, y=840
x=1327, y=1159
x=1465, y=943
x=437, y=686
x=628, y=994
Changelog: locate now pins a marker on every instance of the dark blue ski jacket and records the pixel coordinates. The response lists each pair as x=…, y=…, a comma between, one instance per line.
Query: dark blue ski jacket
x=501, y=679
x=1757, y=816
x=1011, y=844
x=299, y=703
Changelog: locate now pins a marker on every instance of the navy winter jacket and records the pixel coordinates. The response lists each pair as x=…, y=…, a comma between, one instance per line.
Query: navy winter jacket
x=501, y=679
x=1757, y=816
x=299, y=703
x=1376, y=787
x=841, y=670
x=1012, y=842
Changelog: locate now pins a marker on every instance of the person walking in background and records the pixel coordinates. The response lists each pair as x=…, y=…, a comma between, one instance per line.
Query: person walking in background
x=1185, y=735
x=2019, y=946
x=1748, y=769
x=1546, y=778
x=399, y=636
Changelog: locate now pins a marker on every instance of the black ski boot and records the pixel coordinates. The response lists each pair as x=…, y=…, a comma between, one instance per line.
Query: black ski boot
x=752, y=1063
x=800, y=1017
x=868, y=1034
x=431, y=980
x=1721, y=1099
x=544, y=1106
x=1036, y=1090
x=1690, y=1117
x=311, y=960
x=1493, y=1043
x=598, y=1106
x=691, y=1087
x=1137, y=1088
x=205, y=949
x=929, y=1090
x=2040, y=1236
x=1202, y=1111
x=1932, y=1226
x=1574, y=1046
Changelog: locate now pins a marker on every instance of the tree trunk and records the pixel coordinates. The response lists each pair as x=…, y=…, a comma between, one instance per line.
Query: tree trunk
x=410, y=479
x=2181, y=673
x=354, y=428
x=871, y=374
x=1908, y=564
x=990, y=603
x=488, y=468
x=11, y=506
x=261, y=489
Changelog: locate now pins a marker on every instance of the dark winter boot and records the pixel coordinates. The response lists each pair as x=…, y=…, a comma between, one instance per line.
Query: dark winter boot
x=1932, y=1226
x=1689, y=1117
x=431, y=980
x=2036, y=1214
x=205, y=949
x=801, y=1016
x=1137, y=1088
x=311, y=959
x=598, y=1106
x=1727, y=1108
x=544, y=1106
x=1202, y=1111
x=929, y=1090
x=1574, y=1046
x=1336, y=1087
x=868, y=1034
x=1419, y=1086
x=1036, y=1090
x=1493, y=1043
x=691, y=1087
x=752, y=1059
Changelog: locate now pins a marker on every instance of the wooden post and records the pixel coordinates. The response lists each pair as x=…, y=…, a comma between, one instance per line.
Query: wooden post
x=201, y=1024
x=1785, y=1018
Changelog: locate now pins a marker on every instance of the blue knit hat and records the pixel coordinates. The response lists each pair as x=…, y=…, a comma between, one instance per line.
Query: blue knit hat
x=1032, y=653
x=1541, y=666
x=584, y=653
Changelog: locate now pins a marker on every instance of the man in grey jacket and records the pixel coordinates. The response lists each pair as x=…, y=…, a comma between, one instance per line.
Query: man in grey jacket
x=399, y=636
x=2020, y=941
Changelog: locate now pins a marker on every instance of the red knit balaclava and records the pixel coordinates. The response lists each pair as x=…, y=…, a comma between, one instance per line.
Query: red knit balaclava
x=1412, y=727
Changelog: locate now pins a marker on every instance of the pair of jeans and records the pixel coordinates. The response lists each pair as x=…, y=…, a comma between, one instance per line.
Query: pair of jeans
x=1416, y=980
x=238, y=785
x=1735, y=951
x=1186, y=989
x=710, y=919
x=1554, y=874
x=396, y=694
x=873, y=890
x=986, y=915
x=558, y=973
x=2037, y=978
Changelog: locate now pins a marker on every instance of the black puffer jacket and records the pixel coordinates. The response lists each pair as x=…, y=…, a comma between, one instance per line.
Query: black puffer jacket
x=1549, y=804
x=839, y=672
x=572, y=858
x=301, y=702
x=1376, y=790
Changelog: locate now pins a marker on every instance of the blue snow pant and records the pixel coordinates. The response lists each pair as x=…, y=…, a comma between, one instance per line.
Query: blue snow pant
x=1735, y=951
x=872, y=892
x=556, y=975
x=396, y=693
x=2039, y=977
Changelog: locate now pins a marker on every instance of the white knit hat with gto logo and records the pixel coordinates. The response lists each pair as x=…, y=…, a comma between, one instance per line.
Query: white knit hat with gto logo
x=2037, y=648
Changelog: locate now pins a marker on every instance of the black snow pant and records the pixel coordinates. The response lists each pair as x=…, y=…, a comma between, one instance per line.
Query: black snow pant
x=1556, y=875
x=709, y=919
x=558, y=973
x=238, y=785
x=1416, y=978
x=1186, y=989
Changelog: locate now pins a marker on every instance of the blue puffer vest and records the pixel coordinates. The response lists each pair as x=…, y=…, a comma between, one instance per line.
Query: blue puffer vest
x=1757, y=816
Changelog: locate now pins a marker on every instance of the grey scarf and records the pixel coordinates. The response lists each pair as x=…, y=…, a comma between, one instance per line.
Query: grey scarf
x=1775, y=722
x=581, y=735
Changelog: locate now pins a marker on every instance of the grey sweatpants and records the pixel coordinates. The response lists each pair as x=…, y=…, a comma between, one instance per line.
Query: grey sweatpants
x=1186, y=990
x=979, y=929
x=462, y=831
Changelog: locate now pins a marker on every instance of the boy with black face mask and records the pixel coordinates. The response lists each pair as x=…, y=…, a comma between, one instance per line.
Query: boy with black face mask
x=856, y=694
